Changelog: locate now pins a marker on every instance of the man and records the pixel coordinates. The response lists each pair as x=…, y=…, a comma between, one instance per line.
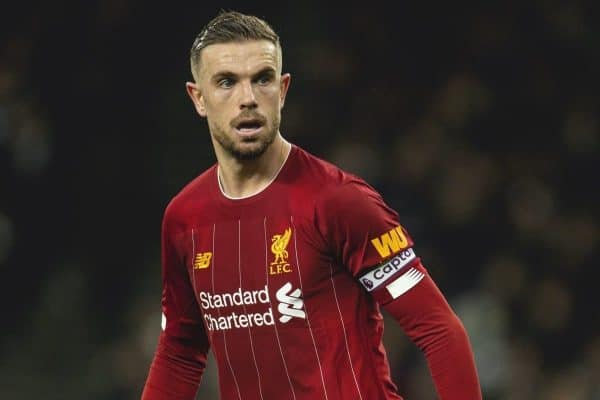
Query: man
x=279, y=261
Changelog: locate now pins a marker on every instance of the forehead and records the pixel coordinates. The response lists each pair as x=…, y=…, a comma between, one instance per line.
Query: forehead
x=239, y=57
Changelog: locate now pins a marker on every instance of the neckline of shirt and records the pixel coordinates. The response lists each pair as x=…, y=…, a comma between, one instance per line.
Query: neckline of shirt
x=223, y=195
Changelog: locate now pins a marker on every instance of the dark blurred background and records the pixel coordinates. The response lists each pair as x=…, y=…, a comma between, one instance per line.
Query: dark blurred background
x=479, y=123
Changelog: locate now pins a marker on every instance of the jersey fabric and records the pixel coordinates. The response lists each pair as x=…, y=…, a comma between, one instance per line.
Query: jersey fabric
x=285, y=287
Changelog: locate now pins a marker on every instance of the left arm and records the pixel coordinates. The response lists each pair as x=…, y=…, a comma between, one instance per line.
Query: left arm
x=364, y=232
x=429, y=321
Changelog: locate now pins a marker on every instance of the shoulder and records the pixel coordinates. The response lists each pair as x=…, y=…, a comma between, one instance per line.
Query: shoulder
x=337, y=192
x=321, y=173
x=194, y=196
x=353, y=199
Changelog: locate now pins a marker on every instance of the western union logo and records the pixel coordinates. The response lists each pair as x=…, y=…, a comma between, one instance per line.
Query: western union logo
x=390, y=242
x=202, y=260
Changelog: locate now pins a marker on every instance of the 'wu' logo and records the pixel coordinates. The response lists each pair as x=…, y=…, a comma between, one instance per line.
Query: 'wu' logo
x=290, y=304
x=390, y=242
x=279, y=249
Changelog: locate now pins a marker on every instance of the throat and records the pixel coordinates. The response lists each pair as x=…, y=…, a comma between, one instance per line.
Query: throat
x=241, y=180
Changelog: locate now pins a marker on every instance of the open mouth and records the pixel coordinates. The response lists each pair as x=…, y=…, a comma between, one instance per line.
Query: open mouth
x=248, y=127
x=249, y=124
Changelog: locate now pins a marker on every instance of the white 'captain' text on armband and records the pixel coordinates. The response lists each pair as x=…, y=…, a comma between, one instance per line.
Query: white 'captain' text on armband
x=376, y=277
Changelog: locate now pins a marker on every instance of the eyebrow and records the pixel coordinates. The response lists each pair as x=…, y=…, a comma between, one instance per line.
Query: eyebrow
x=222, y=75
x=229, y=74
x=265, y=71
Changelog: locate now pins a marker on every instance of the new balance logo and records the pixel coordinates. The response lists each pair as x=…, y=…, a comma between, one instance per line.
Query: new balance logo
x=202, y=260
x=390, y=242
x=290, y=303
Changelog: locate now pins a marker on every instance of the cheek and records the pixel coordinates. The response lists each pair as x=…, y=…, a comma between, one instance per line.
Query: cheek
x=217, y=106
x=271, y=95
x=218, y=100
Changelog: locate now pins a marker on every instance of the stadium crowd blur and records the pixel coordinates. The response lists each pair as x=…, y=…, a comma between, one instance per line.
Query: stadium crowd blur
x=479, y=125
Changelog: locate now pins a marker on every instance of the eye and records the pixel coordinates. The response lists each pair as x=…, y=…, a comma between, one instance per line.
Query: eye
x=264, y=79
x=226, y=83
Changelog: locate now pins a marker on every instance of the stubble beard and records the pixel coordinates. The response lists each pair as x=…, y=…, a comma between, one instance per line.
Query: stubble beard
x=245, y=153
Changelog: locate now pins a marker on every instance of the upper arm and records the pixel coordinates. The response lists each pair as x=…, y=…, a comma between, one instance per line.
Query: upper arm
x=365, y=235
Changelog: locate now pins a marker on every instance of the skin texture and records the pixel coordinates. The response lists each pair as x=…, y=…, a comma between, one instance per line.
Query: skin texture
x=242, y=82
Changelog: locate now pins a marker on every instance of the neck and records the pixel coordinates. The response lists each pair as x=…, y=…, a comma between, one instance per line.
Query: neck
x=243, y=178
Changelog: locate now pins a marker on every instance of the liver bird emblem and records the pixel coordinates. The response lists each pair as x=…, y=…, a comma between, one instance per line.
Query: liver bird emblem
x=279, y=246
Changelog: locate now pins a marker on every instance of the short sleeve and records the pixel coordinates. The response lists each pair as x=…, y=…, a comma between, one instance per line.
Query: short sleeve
x=360, y=229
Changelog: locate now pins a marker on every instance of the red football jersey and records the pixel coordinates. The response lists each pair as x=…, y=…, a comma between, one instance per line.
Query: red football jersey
x=284, y=286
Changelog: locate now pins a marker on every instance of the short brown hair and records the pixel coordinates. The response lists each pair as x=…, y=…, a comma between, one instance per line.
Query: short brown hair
x=230, y=26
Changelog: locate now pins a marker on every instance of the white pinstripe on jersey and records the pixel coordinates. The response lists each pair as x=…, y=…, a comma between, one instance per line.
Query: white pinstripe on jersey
x=194, y=280
x=306, y=308
x=244, y=307
x=337, y=303
x=214, y=257
x=192, y=262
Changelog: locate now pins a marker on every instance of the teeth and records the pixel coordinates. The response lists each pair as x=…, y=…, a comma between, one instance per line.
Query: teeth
x=248, y=129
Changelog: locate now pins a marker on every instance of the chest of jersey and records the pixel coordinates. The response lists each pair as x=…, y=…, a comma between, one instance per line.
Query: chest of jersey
x=255, y=272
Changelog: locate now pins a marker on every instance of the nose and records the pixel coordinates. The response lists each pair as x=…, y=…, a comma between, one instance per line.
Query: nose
x=247, y=97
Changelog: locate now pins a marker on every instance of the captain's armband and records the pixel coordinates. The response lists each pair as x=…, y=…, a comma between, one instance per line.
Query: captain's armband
x=396, y=275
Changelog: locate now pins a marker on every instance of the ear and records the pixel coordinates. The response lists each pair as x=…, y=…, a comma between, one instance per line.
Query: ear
x=284, y=85
x=196, y=95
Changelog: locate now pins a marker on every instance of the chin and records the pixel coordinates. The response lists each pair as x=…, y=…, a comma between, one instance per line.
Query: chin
x=252, y=152
x=248, y=148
